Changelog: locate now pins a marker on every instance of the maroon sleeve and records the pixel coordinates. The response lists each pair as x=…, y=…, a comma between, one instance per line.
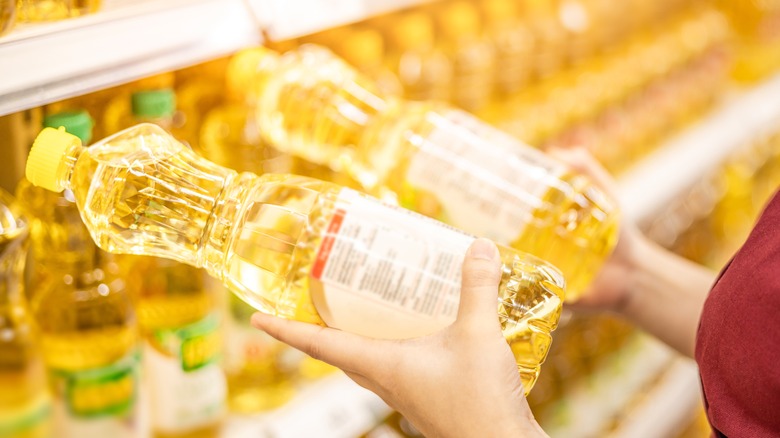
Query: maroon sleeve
x=738, y=343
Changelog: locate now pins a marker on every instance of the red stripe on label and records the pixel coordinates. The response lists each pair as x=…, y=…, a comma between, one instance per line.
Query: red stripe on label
x=327, y=244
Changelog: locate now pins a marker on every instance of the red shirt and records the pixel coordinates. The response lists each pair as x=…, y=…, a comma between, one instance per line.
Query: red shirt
x=738, y=342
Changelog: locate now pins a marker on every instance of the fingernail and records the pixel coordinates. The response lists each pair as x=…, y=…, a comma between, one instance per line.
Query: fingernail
x=483, y=249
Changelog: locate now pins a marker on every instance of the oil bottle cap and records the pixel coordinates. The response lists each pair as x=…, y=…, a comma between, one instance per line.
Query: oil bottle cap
x=78, y=123
x=414, y=29
x=154, y=104
x=363, y=47
x=46, y=156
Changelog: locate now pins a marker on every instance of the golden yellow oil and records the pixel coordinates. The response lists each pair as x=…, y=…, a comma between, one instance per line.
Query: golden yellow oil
x=24, y=399
x=424, y=71
x=170, y=197
x=48, y=10
x=339, y=117
x=473, y=57
x=179, y=323
x=85, y=320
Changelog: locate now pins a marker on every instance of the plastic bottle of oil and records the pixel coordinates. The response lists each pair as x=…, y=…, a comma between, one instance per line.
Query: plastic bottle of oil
x=117, y=113
x=25, y=405
x=424, y=71
x=513, y=42
x=180, y=324
x=56, y=223
x=473, y=56
x=86, y=321
x=199, y=89
x=550, y=36
x=288, y=245
x=440, y=161
x=7, y=15
x=758, y=40
x=230, y=135
x=48, y=10
x=364, y=49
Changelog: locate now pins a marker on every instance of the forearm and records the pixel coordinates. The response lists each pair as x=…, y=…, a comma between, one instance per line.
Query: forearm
x=665, y=295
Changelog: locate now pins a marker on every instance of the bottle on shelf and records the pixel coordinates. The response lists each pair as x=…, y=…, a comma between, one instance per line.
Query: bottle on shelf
x=513, y=42
x=199, y=89
x=50, y=10
x=364, y=49
x=7, y=15
x=424, y=71
x=117, y=112
x=287, y=244
x=459, y=34
x=440, y=161
x=84, y=316
x=25, y=404
x=179, y=321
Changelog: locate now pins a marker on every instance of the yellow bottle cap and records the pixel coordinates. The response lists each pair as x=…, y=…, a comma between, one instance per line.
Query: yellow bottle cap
x=46, y=157
x=459, y=19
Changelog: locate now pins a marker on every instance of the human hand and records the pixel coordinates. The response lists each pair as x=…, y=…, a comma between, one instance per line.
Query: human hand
x=459, y=382
x=612, y=288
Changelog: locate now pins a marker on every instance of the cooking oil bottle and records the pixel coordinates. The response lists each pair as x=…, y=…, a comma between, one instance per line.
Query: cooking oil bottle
x=118, y=112
x=7, y=15
x=758, y=42
x=86, y=321
x=260, y=370
x=230, y=135
x=25, y=405
x=48, y=10
x=425, y=72
x=473, y=57
x=199, y=89
x=289, y=245
x=440, y=161
x=180, y=324
x=364, y=49
x=550, y=36
x=513, y=42
x=56, y=224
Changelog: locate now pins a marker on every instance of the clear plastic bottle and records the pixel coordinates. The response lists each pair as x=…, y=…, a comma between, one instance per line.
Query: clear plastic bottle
x=49, y=10
x=291, y=246
x=424, y=71
x=180, y=323
x=472, y=55
x=53, y=224
x=441, y=162
x=25, y=405
x=513, y=42
x=85, y=317
x=199, y=89
x=364, y=49
x=7, y=15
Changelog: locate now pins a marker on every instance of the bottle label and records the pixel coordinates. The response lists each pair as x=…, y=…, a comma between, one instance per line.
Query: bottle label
x=28, y=418
x=100, y=401
x=188, y=388
x=386, y=272
x=487, y=182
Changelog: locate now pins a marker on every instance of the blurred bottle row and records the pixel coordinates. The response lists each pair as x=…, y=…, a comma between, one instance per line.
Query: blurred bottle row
x=35, y=11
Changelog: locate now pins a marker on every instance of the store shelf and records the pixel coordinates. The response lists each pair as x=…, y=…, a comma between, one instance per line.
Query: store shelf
x=285, y=19
x=335, y=407
x=130, y=39
x=658, y=179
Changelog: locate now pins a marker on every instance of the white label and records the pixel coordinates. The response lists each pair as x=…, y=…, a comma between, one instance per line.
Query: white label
x=186, y=393
x=488, y=182
x=386, y=272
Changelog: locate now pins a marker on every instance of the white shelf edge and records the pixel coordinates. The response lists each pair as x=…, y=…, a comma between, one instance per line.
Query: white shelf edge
x=669, y=406
x=692, y=155
x=132, y=39
x=334, y=407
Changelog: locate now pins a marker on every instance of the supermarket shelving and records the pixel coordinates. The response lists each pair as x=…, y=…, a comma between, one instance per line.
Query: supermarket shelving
x=130, y=39
x=696, y=152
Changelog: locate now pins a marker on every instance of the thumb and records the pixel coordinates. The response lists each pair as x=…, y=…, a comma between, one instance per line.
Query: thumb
x=480, y=278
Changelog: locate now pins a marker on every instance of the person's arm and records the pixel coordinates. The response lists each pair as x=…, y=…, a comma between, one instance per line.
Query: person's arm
x=459, y=382
x=655, y=289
